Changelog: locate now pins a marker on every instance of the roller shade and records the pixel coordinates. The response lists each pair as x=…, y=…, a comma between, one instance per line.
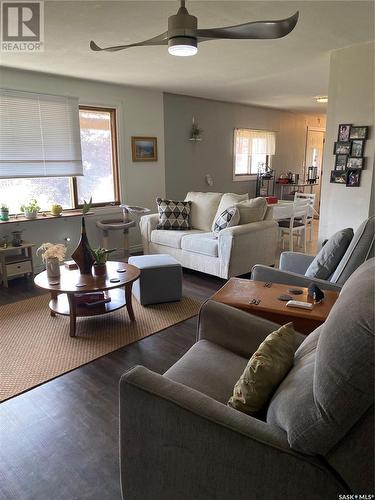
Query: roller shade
x=253, y=142
x=39, y=135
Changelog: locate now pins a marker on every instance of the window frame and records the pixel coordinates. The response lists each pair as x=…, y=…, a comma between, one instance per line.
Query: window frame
x=246, y=177
x=115, y=159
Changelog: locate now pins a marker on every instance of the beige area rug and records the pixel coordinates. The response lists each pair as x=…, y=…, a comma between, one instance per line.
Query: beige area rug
x=35, y=347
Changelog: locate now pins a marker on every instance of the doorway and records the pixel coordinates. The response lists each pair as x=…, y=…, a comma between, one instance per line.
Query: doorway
x=315, y=139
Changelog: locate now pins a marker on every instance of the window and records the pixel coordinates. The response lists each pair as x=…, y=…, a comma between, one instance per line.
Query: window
x=100, y=170
x=253, y=150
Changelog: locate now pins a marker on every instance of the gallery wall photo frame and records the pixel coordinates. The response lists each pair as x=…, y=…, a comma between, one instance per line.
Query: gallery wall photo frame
x=339, y=177
x=342, y=148
x=358, y=147
x=341, y=162
x=344, y=132
x=353, y=177
x=359, y=132
x=144, y=148
x=355, y=163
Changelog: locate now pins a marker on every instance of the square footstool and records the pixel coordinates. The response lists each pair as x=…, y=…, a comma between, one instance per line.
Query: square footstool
x=160, y=279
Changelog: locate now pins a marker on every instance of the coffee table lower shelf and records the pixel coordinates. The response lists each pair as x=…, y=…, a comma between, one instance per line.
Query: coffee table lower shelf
x=60, y=304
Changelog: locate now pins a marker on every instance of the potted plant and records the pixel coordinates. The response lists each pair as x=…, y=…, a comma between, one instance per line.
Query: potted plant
x=56, y=209
x=52, y=254
x=4, y=212
x=30, y=209
x=100, y=255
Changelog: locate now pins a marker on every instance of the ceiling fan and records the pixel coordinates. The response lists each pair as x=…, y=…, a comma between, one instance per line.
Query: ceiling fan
x=183, y=35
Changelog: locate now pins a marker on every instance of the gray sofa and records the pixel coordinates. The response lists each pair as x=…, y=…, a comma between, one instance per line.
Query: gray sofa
x=293, y=265
x=179, y=440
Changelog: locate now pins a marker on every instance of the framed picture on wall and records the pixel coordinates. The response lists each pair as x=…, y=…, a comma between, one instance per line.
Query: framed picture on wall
x=344, y=132
x=338, y=177
x=358, y=132
x=342, y=148
x=355, y=163
x=358, y=145
x=341, y=161
x=144, y=149
x=353, y=177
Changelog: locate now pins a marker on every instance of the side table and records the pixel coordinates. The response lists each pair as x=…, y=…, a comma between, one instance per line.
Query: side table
x=16, y=261
x=239, y=293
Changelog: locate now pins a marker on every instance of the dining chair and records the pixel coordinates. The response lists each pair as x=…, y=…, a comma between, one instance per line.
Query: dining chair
x=296, y=224
x=310, y=198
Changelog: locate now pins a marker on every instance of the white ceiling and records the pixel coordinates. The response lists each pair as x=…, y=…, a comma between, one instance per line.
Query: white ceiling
x=285, y=73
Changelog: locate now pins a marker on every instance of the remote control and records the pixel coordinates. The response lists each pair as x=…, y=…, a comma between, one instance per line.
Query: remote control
x=298, y=303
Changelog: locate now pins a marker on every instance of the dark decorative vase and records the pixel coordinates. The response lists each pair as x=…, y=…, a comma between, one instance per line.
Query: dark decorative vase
x=82, y=255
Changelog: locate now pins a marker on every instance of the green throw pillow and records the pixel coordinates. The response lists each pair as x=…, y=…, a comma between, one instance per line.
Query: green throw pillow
x=265, y=371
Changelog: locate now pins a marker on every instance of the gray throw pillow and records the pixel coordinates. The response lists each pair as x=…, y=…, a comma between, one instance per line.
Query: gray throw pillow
x=329, y=257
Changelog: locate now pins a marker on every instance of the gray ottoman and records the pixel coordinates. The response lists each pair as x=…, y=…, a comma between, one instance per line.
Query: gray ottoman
x=160, y=279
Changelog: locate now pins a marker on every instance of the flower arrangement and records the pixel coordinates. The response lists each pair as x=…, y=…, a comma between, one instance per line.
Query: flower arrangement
x=52, y=251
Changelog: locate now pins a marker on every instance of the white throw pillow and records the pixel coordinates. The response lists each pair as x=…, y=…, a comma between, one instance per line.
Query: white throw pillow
x=228, y=218
x=252, y=210
x=203, y=209
x=228, y=200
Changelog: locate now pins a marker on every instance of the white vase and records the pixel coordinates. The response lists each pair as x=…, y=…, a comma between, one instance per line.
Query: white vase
x=53, y=267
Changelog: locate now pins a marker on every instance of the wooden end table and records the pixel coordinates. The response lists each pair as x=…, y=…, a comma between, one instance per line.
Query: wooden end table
x=64, y=294
x=239, y=293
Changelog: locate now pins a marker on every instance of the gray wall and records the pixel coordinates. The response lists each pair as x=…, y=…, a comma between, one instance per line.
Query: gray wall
x=187, y=163
x=351, y=100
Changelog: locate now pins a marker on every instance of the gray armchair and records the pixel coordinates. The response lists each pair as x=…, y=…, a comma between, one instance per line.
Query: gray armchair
x=179, y=440
x=293, y=265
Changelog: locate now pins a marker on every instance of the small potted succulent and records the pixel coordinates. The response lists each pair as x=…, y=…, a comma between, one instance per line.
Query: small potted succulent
x=56, y=209
x=4, y=212
x=30, y=209
x=100, y=255
x=52, y=254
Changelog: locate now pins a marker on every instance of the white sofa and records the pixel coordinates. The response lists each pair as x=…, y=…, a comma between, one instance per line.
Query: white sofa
x=232, y=253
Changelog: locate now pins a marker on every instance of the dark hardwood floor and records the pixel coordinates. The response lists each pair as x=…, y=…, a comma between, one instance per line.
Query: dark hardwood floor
x=59, y=441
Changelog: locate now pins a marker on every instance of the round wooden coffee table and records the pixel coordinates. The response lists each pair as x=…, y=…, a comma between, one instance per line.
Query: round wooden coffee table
x=68, y=293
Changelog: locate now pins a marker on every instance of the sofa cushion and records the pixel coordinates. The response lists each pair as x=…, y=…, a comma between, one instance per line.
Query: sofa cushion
x=170, y=238
x=266, y=369
x=252, y=210
x=173, y=214
x=332, y=382
x=361, y=248
x=228, y=218
x=229, y=200
x=203, y=209
x=330, y=255
x=203, y=243
x=209, y=369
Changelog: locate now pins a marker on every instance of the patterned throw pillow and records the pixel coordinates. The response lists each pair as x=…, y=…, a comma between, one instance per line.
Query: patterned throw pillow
x=264, y=372
x=173, y=214
x=230, y=217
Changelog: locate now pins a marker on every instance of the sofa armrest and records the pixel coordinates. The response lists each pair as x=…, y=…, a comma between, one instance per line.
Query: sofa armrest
x=176, y=442
x=295, y=262
x=264, y=273
x=147, y=224
x=241, y=247
x=235, y=330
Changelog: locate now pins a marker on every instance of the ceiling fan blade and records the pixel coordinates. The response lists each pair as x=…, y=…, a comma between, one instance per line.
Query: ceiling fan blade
x=254, y=30
x=161, y=39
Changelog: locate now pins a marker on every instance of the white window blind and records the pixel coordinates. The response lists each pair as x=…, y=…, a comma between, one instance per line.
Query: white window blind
x=39, y=135
x=249, y=144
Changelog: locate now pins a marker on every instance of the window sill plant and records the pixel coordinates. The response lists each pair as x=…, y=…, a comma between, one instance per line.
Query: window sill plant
x=4, y=212
x=30, y=209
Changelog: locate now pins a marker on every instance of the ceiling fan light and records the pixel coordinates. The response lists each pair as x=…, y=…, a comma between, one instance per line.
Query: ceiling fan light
x=182, y=46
